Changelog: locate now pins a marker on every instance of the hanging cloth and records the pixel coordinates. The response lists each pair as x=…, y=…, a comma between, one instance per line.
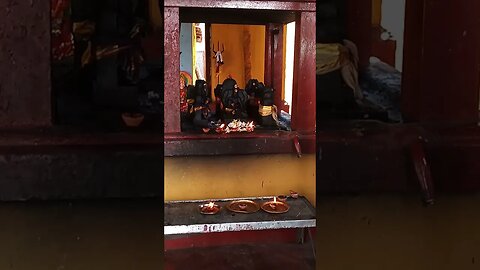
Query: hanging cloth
x=155, y=15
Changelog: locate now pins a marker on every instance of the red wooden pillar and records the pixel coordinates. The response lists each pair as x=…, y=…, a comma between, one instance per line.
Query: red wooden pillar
x=449, y=66
x=278, y=65
x=268, y=78
x=412, y=55
x=304, y=88
x=359, y=27
x=274, y=60
x=172, y=70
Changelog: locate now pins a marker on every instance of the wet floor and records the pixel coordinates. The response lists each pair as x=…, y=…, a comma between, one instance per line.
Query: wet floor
x=114, y=234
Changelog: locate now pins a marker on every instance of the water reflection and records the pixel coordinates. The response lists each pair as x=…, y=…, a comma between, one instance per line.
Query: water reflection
x=119, y=234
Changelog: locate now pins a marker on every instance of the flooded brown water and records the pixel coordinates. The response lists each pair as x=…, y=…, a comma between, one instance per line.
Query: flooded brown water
x=378, y=232
x=114, y=234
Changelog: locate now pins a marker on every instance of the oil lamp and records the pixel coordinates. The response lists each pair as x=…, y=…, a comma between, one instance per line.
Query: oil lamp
x=275, y=207
x=210, y=208
x=273, y=204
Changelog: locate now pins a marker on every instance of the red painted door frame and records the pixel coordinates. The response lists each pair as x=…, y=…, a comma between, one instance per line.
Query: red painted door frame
x=304, y=77
x=172, y=70
x=441, y=78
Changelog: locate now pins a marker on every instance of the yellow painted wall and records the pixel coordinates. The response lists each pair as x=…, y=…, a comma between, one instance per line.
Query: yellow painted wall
x=233, y=37
x=190, y=178
x=376, y=12
x=257, y=48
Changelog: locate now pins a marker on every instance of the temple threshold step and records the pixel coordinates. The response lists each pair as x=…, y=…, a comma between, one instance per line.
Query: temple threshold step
x=239, y=257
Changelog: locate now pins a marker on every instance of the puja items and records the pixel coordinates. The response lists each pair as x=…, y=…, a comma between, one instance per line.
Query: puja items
x=275, y=207
x=62, y=37
x=236, y=126
x=282, y=198
x=209, y=209
x=243, y=206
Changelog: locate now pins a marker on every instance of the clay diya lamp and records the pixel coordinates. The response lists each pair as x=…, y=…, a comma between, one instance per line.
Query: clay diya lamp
x=275, y=207
x=294, y=194
x=209, y=209
x=242, y=206
x=132, y=119
x=273, y=204
x=282, y=198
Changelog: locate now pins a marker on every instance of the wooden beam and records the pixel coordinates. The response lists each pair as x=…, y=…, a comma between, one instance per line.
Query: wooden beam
x=237, y=144
x=262, y=5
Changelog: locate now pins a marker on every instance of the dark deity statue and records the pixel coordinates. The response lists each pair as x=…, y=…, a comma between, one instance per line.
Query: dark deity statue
x=267, y=110
x=218, y=101
x=261, y=105
x=234, y=100
x=202, y=115
x=253, y=90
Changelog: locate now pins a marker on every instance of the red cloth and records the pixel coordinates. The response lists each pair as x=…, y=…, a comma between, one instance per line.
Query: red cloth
x=183, y=100
x=62, y=37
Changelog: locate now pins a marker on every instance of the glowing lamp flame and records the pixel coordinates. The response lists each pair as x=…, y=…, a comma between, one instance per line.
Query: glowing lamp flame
x=210, y=205
x=274, y=199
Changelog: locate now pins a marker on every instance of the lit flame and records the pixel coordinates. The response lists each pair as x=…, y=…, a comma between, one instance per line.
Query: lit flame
x=210, y=205
x=274, y=199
